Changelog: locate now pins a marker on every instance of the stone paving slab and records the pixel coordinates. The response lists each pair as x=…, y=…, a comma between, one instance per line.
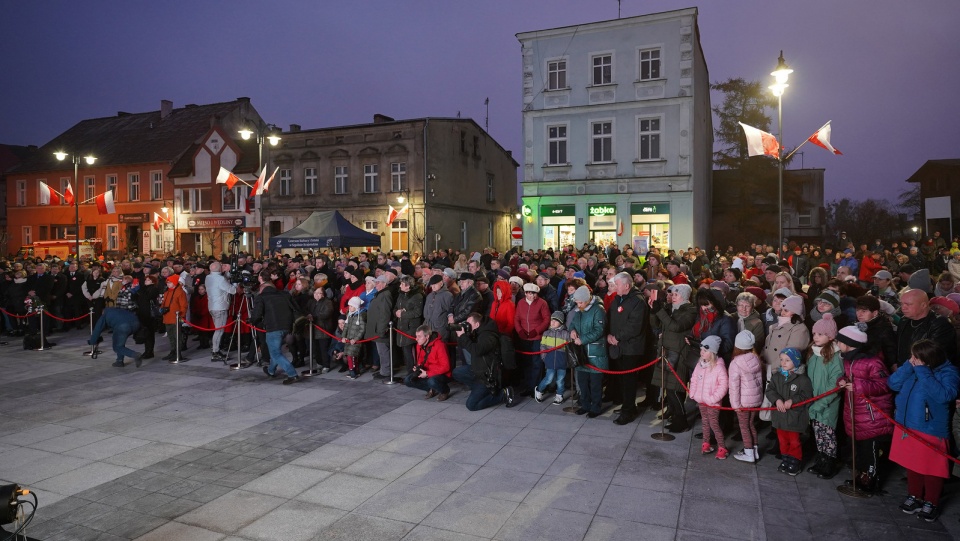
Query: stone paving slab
x=197, y=452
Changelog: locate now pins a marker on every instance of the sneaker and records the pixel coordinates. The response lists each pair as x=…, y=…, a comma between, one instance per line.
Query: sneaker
x=782, y=468
x=291, y=379
x=267, y=372
x=793, y=467
x=929, y=512
x=722, y=453
x=325, y=369
x=118, y=364
x=911, y=505
x=745, y=455
x=538, y=395
x=706, y=448
x=352, y=374
x=557, y=400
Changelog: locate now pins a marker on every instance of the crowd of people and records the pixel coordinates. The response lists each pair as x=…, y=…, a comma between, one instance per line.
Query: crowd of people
x=845, y=351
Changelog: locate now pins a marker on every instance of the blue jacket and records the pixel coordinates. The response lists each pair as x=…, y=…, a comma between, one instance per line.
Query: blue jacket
x=924, y=397
x=726, y=328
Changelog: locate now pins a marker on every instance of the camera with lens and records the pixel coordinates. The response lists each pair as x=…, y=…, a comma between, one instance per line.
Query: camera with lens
x=465, y=327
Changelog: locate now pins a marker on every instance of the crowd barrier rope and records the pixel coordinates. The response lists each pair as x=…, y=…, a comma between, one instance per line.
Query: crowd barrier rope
x=205, y=329
x=911, y=433
x=66, y=320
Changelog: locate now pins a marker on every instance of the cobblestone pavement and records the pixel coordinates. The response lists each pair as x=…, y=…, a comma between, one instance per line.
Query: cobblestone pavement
x=197, y=452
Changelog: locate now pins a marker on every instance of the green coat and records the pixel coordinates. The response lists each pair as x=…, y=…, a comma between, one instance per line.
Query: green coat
x=590, y=325
x=824, y=377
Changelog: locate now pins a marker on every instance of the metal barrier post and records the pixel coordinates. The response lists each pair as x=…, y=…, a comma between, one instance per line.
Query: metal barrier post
x=852, y=489
x=391, y=380
x=313, y=370
x=43, y=340
x=93, y=350
x=177, y=359
x=662, y=436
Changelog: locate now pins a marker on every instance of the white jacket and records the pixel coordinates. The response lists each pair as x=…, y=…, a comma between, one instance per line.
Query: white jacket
x=218, y=292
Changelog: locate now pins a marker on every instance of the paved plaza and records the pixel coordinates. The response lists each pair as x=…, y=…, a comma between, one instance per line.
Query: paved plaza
x=197, y=452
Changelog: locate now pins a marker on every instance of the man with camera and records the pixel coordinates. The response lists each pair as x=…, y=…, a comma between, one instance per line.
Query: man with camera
x=219, y=291
x=431, y=371
x=479, y=338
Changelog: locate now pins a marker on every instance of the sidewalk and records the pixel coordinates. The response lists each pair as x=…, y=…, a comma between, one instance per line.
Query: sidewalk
x=198, y=452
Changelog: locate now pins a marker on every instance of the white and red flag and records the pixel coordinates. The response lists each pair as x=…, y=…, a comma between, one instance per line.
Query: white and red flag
x=262, y=182
x=105, y=203
x=393, y=214
x=158, y=220
x=228, y=178
x=822, y=139
x=760, y=142
x=47, y=196
x=266, y=185
x=68, y=195
x=620, y=229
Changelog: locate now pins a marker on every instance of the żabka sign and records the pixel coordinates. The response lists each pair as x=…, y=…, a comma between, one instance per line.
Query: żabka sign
x=602, y=210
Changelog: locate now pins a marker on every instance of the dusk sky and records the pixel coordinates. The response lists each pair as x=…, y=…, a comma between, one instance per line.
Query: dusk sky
x=885, y=71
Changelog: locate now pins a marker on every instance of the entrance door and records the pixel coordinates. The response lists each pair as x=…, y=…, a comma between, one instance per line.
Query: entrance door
x=133, y=238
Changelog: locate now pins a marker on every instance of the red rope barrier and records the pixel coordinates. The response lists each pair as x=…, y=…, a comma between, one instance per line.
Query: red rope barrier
x=910, y=433
x=620, y=372
x=199, y=328
x=15, y=315
x=338, y=339
x=65, y=320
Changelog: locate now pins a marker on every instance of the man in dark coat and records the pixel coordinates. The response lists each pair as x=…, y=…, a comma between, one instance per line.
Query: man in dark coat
x=629, y=344
x=75, y=304
x=379, y=315
x=274, y=311
x=481, y=375
x=918, y=323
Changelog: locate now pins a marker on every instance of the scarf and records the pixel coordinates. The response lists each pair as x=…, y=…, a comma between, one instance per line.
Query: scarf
x=705, y=319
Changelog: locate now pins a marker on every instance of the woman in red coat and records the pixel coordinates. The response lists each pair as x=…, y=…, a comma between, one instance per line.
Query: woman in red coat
x=200, y=316
x=502, y=309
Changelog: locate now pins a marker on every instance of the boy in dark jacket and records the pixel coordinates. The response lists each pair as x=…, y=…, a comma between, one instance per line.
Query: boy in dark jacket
x=789, y=386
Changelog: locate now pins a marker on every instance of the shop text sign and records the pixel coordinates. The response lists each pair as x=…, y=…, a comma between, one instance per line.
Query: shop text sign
x=558, y=210
x=602, y=210
x=201, y=223
x=650, y=208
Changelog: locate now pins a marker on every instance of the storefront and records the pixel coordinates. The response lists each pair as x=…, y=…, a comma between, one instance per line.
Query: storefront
x=558, y=225
x=650, y=226
x=602, y=223
x=213, y=235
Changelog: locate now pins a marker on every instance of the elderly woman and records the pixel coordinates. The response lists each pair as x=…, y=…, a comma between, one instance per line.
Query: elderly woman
x=587, y=330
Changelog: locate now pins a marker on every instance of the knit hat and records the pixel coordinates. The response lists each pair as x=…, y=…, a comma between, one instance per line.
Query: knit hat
x=920, y=280
x=794, y=355
x=852, y=336
x=745, y=340
x=883, y=275
x=721, y=286
x=794, y=303
x=955, y=297
x=757, y=292
x=531, y=287
x=711, y=343
x=173, y=279
x=783, y=292
x=355, y=302
x=558, y=315
x=452, y=274
x=829, y=296
x=503, y=273
x=683, y=290
x=516, y=280
x=582, y=294
x=826, y=326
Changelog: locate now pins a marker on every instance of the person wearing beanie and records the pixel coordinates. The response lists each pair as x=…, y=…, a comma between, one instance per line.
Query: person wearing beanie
x=588, y=329
x=174, y=306
x=745, y=380
x=554, y=358
x=920, y=280
x=824, y=368
x=673, y=318
x=788, y=331
x=864, y=375
x=708, y=386
x=788, y=386
x=827, y=302
x=630, y=344
x=353, y=328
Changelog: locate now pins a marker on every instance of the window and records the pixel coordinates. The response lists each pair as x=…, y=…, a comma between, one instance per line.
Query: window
x=557, y=145
x=649, y=64
x=286, y=182
x=489, y=233
x=476, y=146
x=27, y=234
x=62, y=232
x=89, y=189
x=22, y=194
x=649, y=129
x=556, y=74
x=340, y=179
x=398, y=177
x=370, y=174
x=310, y=181
x=197, y=200
x=89, y=231
x=463, y=142
x=133, y=180
x=602, y=133
x=370, y=226
x=602, y=69
x=44, y=233
x=234, y=199
x=490, y=193
x=463, y=235
x=112, y=185
x=113, y=238
x=156, y=185
x=805, y=219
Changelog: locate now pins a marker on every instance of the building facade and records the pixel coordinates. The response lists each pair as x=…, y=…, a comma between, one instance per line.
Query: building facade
x=617, y=132
x=939, y=183
x=459, y=186
x=139, y=157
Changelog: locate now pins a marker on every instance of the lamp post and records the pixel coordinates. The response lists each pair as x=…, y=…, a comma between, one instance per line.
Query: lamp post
x=264, y=132
x=165, y=209
x=61, y=155
x=780, y=74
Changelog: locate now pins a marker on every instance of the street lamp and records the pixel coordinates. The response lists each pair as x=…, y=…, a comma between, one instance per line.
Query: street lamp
x=264, y=132
x=780, y=74
x=89, y=160
x=915, y=229
x=166, y=210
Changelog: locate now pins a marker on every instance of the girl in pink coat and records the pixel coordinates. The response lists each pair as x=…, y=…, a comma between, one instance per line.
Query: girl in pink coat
x=746, y=391
x=708, y=386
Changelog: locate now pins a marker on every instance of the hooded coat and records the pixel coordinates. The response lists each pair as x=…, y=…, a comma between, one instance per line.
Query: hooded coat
x=590, y=326
x=745, y=380
x=869, y=378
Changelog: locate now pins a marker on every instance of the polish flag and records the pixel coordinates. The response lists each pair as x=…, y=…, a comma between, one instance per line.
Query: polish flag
x=393, y=214
x=620, y=229
x=822, y=139
x=258, y=185
x=228, y=178
x=105, y=203
x=266, y=185
x=760, y=142
x=47, y=195
x=156, y=222
x=68, y=195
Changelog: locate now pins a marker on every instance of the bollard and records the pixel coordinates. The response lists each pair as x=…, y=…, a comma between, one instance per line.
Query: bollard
x=93, y=350
x=313, y=370
x=391, y=380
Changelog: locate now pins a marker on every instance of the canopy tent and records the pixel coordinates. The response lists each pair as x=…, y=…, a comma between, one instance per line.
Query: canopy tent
x=326, y=229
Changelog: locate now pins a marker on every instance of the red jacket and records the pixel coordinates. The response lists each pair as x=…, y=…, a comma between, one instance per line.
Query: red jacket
x=503, y=311
x=869, y=377
x=868, y=267
x=433, y=359
x=532, y=319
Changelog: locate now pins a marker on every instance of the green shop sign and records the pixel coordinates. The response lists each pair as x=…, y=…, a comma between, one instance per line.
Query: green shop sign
x=649, y=208
x=558, y=210
x=602, y=210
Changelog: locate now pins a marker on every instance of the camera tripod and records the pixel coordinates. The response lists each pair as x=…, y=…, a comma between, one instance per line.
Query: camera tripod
x=246, y=304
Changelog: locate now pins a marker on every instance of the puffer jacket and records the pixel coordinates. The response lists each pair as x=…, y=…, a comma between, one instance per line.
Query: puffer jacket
x=924, y=397
x=552, y=338
x=709, y=382
x=590, y=326
x=745, y=379
x=824, y=377
x=796, y=387
x=781, y=337
x=503, y=311
x=531, y=319
x=353, y=329
x=433, y=357
x=869, y=377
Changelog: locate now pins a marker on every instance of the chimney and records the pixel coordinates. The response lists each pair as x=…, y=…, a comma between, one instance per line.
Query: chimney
x=294, y=128
x=166, y=106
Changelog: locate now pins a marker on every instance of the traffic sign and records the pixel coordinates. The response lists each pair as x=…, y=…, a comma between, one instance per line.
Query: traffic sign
x=517, y=232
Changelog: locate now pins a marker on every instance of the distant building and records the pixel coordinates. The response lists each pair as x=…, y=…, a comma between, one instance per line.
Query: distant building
x=140, y=156
x=10, y=157
x=617, y=133
x=939, y=182
x=459, y=183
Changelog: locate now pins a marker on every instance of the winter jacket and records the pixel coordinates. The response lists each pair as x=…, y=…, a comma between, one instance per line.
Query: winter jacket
x=781, y=337
x=324, y=315
x=503, y=311
x=796, y=387
x=199, y=310
x=274, y=309
x=924, y=397
x=674, y=324
x=726, y=328
x=754, y=324
x=933, y=327
x=709, y=383
x=218, y=292
x=531, y=319
x=353, y=329
x=436, y=307
x=433, y=358
x=630, y=324
x=556, y=359
x=824, y=377
x=868, y=267
x=549, y=294
x=411, y=315
x=175, y=300
x=869, y=377
x=379, y=316
x=464, y=303
x=591, y=329
x=953, y=266
x=745, y=379
x=851, y=263
x=483, y=344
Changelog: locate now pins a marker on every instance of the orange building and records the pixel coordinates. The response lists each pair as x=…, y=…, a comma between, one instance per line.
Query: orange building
x=167, y=158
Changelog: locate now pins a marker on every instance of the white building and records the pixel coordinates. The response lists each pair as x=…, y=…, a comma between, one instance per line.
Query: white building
x=617, y=132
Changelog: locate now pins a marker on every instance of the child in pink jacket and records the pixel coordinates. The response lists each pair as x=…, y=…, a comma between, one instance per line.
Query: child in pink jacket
x=746, y=391
x=708, y=386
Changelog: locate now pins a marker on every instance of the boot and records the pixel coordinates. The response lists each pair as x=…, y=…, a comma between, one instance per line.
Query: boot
x=818, y=464
x=830, y=468
x=756, y=454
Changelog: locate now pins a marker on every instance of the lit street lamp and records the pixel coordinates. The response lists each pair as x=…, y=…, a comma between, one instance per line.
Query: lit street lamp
x=780, y=74
x=76, y=190
x=271, y=134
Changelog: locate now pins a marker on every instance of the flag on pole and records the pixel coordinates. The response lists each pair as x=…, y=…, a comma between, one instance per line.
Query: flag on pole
x=620, y=229
x=760, y=142
x=105, y=203
x=68, y=195
x=258, y=185
x=156, y=221
x=822, y=139
x=266, y=185
x=48, y=196
x=228, y=178
x=393, y=213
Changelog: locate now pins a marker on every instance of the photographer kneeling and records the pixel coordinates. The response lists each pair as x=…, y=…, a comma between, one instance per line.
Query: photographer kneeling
x=431, y=370
x=480, y=339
